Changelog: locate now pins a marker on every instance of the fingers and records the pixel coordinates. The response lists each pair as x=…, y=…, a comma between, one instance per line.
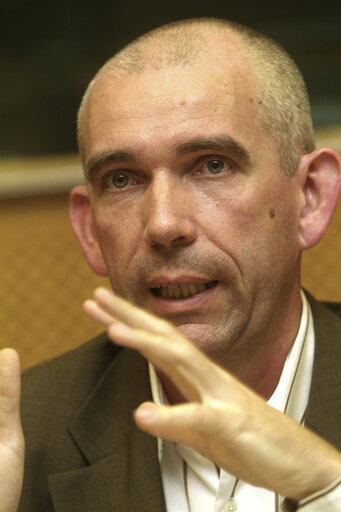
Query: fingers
x=174, y=361
x=124, y=311
x=135, y=330
x=157, y=340
x=190, y=370
x=193, y=424
x=132, y=326
x=96, y=313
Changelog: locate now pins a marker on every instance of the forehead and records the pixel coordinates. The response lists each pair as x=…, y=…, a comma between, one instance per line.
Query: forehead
x=164, y=107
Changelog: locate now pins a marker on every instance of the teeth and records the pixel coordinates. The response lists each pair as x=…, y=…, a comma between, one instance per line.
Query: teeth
x=181, y=291
x=193, y=288
x=177, y=292
x=185, y=290
x=166, y=292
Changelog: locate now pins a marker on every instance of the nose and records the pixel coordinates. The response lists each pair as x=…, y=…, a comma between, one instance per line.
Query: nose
x=168, y=214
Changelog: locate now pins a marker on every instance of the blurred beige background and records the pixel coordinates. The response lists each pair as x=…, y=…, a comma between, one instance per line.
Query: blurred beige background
x=44, y=277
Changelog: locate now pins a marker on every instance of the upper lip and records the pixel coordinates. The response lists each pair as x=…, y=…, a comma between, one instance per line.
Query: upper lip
x=163, y=280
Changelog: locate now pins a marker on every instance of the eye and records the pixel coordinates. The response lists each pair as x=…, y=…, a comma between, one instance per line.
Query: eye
x=119, y=180
x=216, y=166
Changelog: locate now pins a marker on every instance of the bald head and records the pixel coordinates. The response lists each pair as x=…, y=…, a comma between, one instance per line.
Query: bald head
x=278, y=86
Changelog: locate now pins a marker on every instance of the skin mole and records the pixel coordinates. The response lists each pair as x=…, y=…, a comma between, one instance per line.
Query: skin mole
x=272, y=213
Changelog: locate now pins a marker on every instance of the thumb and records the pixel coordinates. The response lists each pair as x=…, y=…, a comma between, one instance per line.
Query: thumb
x=11, y=435
x=9, y=394
x=178, y=423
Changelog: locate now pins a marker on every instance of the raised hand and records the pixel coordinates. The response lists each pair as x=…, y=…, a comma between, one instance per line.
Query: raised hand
x=11, y=436
x=221, y=418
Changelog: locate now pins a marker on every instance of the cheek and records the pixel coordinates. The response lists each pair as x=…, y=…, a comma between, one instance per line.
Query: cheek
x=233, y=216
x=117, y=235
x=253, y=225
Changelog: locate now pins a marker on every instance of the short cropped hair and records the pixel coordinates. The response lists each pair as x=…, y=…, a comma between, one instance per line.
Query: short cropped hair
x=281, y=92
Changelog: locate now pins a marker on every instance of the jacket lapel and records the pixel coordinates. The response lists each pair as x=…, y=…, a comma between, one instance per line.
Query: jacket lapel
x=324, y=411
x=123, y=472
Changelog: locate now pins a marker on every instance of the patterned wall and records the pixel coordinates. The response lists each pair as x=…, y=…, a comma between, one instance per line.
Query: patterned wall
x=44, y=278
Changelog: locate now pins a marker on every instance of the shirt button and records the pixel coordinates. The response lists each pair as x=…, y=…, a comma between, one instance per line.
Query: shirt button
x=230, y=506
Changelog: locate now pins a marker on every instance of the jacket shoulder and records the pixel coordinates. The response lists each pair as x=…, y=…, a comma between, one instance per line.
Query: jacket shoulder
x=51, y=394
x=335, y=307
x=60, y=374
x=323, y=413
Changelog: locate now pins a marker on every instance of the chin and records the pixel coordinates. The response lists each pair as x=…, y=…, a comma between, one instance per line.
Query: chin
x=212, y=340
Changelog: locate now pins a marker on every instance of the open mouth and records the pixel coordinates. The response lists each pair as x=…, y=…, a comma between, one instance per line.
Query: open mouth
x=181, y=291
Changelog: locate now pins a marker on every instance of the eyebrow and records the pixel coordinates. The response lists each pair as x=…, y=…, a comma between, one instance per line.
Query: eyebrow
x=99, y=160
x=221, y=143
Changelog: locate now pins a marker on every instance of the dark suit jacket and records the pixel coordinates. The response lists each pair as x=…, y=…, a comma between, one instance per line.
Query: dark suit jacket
x=84, y=452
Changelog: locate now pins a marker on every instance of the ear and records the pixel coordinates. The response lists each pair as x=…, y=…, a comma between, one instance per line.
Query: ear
x=84, y=228
x=320, y=175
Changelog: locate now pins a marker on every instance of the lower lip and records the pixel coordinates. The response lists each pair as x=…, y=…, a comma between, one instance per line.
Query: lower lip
x=163, y=305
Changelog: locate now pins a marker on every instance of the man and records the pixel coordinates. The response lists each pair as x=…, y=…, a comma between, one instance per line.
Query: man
x=203, y=188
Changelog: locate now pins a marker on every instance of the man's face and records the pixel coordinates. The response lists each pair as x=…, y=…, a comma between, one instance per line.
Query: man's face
x=194, y=220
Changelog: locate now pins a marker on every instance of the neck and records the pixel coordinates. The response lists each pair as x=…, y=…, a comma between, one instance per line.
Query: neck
x=261, y=369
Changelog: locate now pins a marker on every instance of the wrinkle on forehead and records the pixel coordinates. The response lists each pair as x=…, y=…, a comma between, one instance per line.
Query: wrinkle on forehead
x=154, y=94
x=223, y=53
x=225, y=60
x=174, y=96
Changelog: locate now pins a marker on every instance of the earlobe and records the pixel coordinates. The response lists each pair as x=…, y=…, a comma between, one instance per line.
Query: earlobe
x=320, y=174
x=84, y=228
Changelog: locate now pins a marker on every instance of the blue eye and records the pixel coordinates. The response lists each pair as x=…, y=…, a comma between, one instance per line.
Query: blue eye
x=215, y=166
x=120, y=180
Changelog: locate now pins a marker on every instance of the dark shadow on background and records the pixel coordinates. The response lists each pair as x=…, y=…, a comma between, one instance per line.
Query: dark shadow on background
x=50, y=50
